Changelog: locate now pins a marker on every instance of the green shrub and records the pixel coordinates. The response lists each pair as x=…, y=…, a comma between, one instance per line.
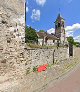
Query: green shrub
x=34, y=68
x=28, y=70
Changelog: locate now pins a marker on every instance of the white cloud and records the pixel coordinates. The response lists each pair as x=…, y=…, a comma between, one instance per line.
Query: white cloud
x=41, y=2
x=77, y=38
x=69, y=29
x=35, y=15
x=73, y=27
x=52, y=30
x=27, y=9
x=69, y=33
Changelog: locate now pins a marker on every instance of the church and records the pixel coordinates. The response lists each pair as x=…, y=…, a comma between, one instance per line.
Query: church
x=59, y=37
x=60, y=29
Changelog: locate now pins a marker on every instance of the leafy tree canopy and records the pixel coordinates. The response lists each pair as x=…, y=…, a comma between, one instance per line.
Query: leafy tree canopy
x=77, y=44
x=41, y=31
x=70, y=39
x=30, y=35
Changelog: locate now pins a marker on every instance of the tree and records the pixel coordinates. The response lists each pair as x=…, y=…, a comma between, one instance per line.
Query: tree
x=70, y=40
x=41, y=31
x=77, y=44
x=30, y=35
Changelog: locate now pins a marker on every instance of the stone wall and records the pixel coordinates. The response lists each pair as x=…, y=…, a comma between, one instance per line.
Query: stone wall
x=45, y=56
x=12, y=34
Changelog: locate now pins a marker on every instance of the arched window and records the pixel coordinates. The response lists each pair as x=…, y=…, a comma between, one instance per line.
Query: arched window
x=63, y=24
x=58, y=24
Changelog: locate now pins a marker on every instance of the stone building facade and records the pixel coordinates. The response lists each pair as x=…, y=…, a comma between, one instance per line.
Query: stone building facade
x=45, y=38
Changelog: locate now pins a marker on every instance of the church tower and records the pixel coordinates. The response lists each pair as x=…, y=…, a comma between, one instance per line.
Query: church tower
x=60, y=28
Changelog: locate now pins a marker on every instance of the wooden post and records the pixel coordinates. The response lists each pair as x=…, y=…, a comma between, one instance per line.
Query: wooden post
x=70, y=49
x=53, y=56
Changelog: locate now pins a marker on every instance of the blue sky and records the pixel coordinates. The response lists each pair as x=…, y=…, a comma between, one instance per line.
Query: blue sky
x=41, y=14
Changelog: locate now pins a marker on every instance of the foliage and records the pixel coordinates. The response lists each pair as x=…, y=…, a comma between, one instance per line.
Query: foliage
x=77, y=44
x=35, y=69
x=33, y=45
x=28, y=70
x=39, y=46
x=41, y=31
x=30, y=35
x=70, y=40
x=50, y=65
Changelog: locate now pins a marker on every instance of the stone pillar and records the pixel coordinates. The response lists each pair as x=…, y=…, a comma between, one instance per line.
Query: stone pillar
x=12, y=30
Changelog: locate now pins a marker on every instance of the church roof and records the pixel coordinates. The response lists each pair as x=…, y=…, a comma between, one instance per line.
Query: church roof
x=50, y=36
x=45, y=34
x=41, y=34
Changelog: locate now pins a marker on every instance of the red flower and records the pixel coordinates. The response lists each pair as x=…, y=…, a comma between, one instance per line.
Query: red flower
x=42, y=68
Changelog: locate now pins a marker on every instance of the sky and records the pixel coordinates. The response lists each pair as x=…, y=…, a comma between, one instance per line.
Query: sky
x=41, y=15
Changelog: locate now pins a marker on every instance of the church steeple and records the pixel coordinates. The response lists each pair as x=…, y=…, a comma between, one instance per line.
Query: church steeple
x=60, y=28
x=59, y=17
